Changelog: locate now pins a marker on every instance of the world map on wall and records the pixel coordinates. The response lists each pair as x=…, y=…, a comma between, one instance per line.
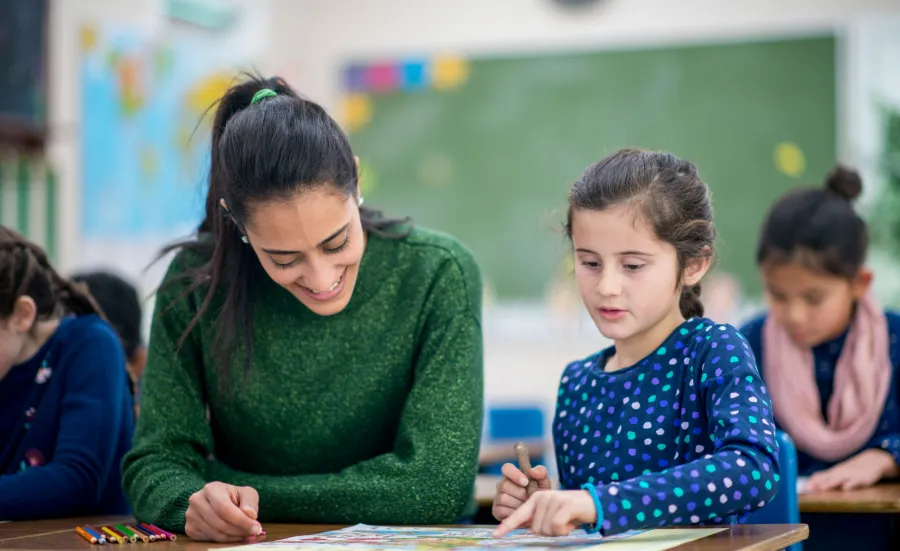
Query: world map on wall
x=144, y=137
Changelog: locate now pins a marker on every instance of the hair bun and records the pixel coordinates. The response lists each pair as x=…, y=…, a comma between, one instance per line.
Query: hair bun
x=844, y=182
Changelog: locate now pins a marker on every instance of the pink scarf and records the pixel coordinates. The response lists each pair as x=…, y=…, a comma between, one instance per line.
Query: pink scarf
x=861, y=380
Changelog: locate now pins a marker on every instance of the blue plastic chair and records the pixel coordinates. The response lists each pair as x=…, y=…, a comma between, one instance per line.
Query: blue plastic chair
x=509, y=424
x=784, y=507
x=515, y=423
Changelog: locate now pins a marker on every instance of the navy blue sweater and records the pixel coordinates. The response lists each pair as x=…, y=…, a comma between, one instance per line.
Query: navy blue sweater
x=66, y=420
x=825, y=356
x=684, y=436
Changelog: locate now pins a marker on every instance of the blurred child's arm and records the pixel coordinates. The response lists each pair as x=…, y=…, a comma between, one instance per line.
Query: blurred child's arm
x=173, y=437
x=879, y=459
x=739, y=474
x=887, y=439
x=72, y=482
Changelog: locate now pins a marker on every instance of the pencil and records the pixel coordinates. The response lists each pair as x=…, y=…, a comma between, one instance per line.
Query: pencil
x=169, y=535
x=112, y=535
x=144, y=537
x=101, y=539
x=80, y=531
x=132, y=537
x=117, y=533
x=149, y=533
x=525, y=466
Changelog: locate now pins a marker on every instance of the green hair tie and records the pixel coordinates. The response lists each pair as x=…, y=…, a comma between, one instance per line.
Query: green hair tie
x=264, y=93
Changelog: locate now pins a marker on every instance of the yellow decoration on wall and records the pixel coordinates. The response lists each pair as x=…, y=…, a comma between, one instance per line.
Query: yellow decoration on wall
x=207, y=91
x=789, y=159
x=356, y=111
x=88, y=38
x=448, y=72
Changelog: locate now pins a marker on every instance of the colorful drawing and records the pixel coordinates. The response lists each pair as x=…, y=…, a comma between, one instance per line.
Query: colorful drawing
x=363, y=537
x=145, y=144
x=382, y=538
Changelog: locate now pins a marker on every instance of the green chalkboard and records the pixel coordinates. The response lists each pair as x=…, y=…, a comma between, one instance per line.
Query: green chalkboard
x=491, y=160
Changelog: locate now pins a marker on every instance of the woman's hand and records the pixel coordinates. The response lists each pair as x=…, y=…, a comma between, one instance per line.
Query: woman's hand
x=222, y=513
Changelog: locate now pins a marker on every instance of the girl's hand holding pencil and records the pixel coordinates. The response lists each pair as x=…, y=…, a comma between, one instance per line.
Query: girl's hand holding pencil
x=518, y=484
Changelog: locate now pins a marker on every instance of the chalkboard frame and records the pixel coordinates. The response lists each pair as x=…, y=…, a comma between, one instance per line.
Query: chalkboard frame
x=16, y=131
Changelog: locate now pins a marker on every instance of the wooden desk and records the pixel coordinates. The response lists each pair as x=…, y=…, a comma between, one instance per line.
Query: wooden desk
x=60, y=534
x=882, y=498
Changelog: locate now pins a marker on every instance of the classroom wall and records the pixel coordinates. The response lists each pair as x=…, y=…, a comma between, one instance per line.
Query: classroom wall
x=312, y=37
x=66, y=19
x=525, y=351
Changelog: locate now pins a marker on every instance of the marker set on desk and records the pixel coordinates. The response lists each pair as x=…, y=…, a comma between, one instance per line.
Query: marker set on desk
x=119, y=533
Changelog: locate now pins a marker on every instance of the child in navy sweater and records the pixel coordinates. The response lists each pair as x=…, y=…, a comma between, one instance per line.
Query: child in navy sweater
x=672, y=424
x=66, y=411
x=828, y=351
x=121, y=305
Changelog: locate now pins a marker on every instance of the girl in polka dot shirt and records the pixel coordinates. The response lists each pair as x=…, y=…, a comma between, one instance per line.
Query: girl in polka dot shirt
x=827, y=351
x=672, y=425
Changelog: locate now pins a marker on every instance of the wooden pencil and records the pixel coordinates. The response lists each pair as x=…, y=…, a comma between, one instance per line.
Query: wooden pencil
x=132, y=537
x=167, y=535
x=149, y=533
x=112, y=535
x=80, y=531
x=101, y=538
x=144, y=537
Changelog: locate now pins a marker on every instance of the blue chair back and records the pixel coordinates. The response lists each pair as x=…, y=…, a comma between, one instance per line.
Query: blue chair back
x=515, y=423
x=510, y=424
x=784, y=507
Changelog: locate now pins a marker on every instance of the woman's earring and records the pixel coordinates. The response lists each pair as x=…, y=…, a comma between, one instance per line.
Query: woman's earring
x=359, y=201
x=244, y=239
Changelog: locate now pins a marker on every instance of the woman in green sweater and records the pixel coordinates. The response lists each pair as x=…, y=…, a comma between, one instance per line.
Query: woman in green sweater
x=339, y=353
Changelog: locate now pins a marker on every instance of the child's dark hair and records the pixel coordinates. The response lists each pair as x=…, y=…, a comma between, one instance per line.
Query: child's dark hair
x=121, y=303
x=817, y=227
x=262, y=150
x=670, y=196
x=25, y=270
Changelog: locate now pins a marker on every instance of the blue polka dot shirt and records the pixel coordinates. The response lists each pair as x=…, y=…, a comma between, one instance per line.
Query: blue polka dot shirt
x=825, y=357
x=685, y=436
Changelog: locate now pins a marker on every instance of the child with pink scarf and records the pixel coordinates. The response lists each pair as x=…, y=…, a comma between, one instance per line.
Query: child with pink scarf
x=826, y=349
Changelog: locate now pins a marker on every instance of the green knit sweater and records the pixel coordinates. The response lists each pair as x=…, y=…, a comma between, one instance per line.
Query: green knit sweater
x=371, y=415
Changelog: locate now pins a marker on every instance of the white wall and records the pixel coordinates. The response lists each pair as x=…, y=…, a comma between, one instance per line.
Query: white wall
x=311, y=39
